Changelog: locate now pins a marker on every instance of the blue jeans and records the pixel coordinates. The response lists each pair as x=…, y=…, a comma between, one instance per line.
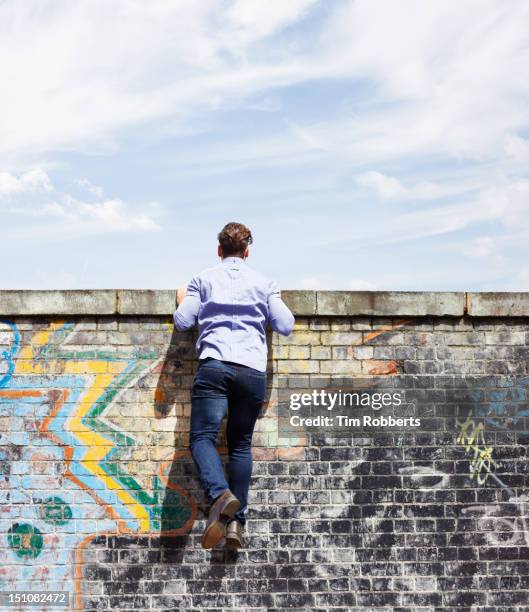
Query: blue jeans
x=222, y=387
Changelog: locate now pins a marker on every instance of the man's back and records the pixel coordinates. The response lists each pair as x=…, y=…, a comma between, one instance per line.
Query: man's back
x=233, y=303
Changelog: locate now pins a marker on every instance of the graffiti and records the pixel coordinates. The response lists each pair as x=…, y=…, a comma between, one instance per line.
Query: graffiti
x=10, y=338
x=59, y=400
x=472, y=437
x=55, y=511
x=80, y=462
x=501, y=525
x=424, y=477
x=498, y=524
x=509, y=405
x=25, y=540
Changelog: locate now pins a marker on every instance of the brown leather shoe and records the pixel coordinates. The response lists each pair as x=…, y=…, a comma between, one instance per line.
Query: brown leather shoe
x=234, y=535
x=221, y=511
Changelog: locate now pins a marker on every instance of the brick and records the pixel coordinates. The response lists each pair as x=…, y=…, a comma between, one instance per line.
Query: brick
x=343, y=338
x=280, y=352
x=299, y=352
x=301, y=323
x=320, y=323
x=384, y=520
x=320, y=352
x=297, y=366
x=340, y=367
x=362, y=352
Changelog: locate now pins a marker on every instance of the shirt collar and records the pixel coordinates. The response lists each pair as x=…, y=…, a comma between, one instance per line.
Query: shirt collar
x=232, y=259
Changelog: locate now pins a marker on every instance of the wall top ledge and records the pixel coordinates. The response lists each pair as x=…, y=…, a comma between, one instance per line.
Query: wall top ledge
x=86, y=302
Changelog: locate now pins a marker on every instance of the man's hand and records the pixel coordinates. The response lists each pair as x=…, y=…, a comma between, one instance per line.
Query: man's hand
x=180, y=294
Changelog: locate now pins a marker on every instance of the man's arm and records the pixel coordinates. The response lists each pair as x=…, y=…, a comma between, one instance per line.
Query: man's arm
x=281, y=319
x=185, y=316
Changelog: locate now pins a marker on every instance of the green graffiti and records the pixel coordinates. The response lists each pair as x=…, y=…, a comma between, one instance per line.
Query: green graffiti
x=55, y=511
x=26, y=540
x=172, y=514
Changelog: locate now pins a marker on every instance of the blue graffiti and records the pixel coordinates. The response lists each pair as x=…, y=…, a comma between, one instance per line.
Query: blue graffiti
x=8, y=355
x=505, y=404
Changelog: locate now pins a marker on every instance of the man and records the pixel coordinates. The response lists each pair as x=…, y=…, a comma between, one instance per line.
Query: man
x=232, y=304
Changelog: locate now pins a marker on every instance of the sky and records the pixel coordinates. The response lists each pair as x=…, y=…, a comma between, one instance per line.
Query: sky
x=368, y=145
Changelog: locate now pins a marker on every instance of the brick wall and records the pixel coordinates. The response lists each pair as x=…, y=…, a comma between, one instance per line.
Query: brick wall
x=100, y=498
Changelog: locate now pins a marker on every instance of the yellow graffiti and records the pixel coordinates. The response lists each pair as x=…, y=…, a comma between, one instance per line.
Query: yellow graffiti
x=471, y=435
x=97, y=446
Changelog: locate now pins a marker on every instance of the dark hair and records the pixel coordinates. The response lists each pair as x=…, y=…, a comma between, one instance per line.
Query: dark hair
x=234, y=238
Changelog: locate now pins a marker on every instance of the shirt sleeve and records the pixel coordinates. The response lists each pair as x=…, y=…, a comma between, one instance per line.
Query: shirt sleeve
x=185, y=316
x=281, y=319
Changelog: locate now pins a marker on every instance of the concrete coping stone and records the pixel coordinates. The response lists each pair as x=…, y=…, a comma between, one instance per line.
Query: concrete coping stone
x=83, y=302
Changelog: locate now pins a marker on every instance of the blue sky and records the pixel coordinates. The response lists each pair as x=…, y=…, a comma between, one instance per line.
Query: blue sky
x=368, y=145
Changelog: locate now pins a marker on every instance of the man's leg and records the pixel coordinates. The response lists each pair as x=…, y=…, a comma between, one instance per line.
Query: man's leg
x=246, y=400
x=209, y=403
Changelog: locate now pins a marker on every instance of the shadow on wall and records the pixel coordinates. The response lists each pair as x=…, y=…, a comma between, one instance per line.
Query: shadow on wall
x=172, y=398
x=176, y=521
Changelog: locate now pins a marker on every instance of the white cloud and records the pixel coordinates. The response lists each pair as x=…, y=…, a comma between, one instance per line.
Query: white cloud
x=425, y=101
x=32, y=181
x=110, y=215
x=56, y=278
x=48, y=212
x=74, y=82
x=385, y=186
x=315, y=283
x=390, y=187
x=504, y=206
x=517, y=148
x=310, y=282
x=253, y=20
x=521, y=280
x=451, y=80
x=360, y=284
x=90, y=187
x=448, y=84
x=454, y=72
x=483, y=246
x=507, y=202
